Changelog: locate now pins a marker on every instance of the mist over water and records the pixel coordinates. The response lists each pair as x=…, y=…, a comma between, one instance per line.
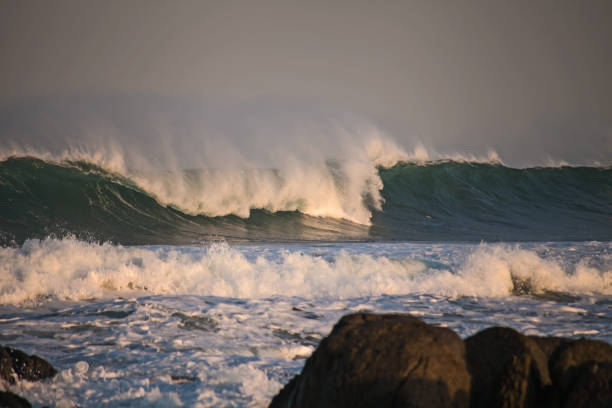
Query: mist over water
x=212, y=159
x=159, y=133
x=217, y=162
x=153, y=132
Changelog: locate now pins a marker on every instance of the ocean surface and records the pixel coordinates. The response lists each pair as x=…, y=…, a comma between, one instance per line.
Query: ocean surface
x=210, y=287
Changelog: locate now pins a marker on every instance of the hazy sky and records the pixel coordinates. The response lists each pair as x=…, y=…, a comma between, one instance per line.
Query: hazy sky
x=526, y=78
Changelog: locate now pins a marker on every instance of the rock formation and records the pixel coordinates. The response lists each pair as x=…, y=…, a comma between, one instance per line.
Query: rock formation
x=17, y=365
x=10, y=400
x=371, y=360
x=382, y=360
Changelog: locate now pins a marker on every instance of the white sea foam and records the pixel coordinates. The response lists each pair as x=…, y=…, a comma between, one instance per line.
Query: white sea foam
x=491, y=158
x=72, y=269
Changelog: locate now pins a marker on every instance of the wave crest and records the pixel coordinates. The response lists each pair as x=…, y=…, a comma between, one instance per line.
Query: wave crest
x=343, y=184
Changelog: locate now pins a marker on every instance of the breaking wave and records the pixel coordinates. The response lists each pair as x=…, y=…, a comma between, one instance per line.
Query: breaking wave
x=332, y=200
x=76, y=270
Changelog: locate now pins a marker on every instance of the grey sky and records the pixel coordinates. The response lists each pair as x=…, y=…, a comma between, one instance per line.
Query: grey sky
x=526, y=78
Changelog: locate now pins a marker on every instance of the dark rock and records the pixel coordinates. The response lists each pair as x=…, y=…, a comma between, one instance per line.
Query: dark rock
x=575, y=363
x=10, y=400
x=373, y=360
x=507, y=368
x=549, y=344
x=592, y=387
x=16, y=363
x=286, y=395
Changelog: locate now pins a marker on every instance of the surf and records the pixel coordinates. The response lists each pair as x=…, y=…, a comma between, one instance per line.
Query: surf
x=70, y=269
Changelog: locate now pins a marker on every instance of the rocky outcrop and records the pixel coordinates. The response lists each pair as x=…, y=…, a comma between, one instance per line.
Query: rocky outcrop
x=591, y=388
x=15, y=364
x=10, y=400
x=549, y=345
x=373, y=360
x=508, y=369
x=582, y=373
x=382, y=360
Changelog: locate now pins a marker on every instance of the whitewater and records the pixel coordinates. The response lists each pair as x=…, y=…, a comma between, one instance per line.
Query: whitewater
x=150, y=283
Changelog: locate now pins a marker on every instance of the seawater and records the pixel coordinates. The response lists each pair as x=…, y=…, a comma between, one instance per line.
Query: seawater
x=148, y=282
x=228, y=325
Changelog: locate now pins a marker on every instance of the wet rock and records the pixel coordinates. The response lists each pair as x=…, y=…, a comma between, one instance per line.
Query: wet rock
x=549, y=344
x=582, y=373
x=372, y=360
x=10, y=400
x=507, y=368
x=592, y=387
x=16, y=363
x=397, y=360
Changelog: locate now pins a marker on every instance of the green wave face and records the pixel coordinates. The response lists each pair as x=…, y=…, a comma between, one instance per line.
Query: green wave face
x=444, y=201
x=463, y=201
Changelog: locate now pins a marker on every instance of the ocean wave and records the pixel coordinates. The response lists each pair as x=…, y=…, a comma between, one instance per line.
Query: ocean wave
x=442, y=200
x=70, y=269
x=344, y=185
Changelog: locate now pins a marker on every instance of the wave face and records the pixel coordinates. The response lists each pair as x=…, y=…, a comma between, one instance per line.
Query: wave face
x=434, y=201
x=480, y=201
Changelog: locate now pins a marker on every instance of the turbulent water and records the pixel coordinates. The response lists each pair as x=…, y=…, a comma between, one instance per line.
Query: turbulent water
x=210, y=287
